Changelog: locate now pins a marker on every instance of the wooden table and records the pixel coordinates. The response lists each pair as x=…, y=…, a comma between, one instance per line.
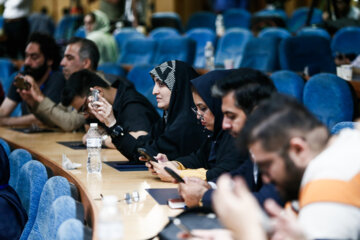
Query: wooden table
x=141, y=220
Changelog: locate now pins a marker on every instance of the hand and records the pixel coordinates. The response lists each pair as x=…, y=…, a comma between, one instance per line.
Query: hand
x=160, y=171
x=193, y=190
x=102, y=110
x=237, y=209
x=161, y=157
x=284, y=221
x=33, y=95
x=211, y=234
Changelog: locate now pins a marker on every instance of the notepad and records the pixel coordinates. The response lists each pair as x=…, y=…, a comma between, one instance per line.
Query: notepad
x=77, y=145
x=126, y=166
x=161, y=195
x=33, y=130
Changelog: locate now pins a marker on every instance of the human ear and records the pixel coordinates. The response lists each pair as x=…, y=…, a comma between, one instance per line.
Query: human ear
x=298, y=151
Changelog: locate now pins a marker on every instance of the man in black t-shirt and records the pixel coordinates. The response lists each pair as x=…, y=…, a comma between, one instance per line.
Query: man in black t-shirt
x=42, y=59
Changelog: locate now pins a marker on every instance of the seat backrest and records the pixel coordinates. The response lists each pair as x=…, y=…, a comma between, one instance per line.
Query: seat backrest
x=314, y=31
x=17, y=159
x=236, y=18
x=124, y=35
x=138, y=51
x=288, y=82
x=54, y=187
x=274, y=32
x=166, y=19
x=72, y=229
x=31, y=181
x=261, y=54
x=80, y=32
x=164, y=32
x=231, y=46
x=6, y=146
x=66, y=28
x=314, y=52
x=342, y=125
x=201, y=36
x=112, y=68
x=201, y=20
x=272, y=13
x=40, y=22
x=175, y=48
x=346, y=41
x=7, y=68
x=299, y=16
x=329, y=98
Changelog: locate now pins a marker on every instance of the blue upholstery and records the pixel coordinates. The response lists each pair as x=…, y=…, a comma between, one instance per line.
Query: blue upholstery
x=40, y=22
x=54, y=187
x=288, y=82
x=272, y=13
x=236, y=18
x=124, y=35
x=166, y=19
x=329, y=98
x=80, y=32
x=175, y=48
x=201, y=20
x=342, y=125
x=346, y=40
x=1, y=22
x=6, y=146
x=261, y=54
x=163, y=32
x=32, y=179
x=71, y=229
x=313, y=31
x=112, y=68
x=231, y=46
x=62, y=209
x=66, y=28
x=138, y=51
x=7, y=68
x=313, y=52
x=201, y=36
x=274, y=32
x=17, y=159
x=299, y=16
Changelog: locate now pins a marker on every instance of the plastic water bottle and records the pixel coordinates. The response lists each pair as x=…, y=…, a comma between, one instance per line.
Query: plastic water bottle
x=110, y=225
x=209, y=56
x=93, y=145
x=219, y=25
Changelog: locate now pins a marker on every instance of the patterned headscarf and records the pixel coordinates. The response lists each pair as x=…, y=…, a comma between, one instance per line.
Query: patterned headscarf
x=165, y=72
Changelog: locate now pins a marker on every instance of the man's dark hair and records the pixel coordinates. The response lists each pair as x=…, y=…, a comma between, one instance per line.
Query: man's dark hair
x=88, y=49
x=278, y=119
x=48, y=47
x=251, y=86
x=79, y=84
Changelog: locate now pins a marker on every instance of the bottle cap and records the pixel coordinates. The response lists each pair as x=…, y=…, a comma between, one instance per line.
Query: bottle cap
x=93, y=124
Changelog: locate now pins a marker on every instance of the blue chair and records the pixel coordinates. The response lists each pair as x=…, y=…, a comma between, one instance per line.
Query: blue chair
x=289, y=83
x=231, y=46
x=314, y=31
x=73, y=229
x=166, y=19
x=346, y=41
x=202, y=20
x=62, y=209
x=40, y=22
x=299, y=16
x=163, y=32
x=54, y=187
x=175, y=48
x=7, y=68
x=236, y=18
x=201, y=36
x=66, y=28
x=112, y=68
x=124, y=35
x=342, y=125
x=6, y=146
x=17, y=159
x=80, y=32
x=274, y=32
x=312, y=52
x=261, y=54
x=272, y=13
x=329, y=98
x=138, y=51
x=31, y=181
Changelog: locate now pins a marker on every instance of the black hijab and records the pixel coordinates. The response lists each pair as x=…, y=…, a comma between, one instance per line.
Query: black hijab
x=10, y=196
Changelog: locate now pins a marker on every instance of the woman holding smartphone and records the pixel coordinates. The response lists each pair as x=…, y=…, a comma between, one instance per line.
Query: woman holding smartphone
x=177, y=132
x=218, y=153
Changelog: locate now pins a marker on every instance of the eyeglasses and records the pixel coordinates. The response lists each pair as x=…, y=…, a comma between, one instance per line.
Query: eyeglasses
x=200, y=112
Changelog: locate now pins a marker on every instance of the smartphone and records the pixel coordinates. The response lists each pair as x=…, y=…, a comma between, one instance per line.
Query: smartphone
x=176, y=176
x=21, y=83
x=177, y=222
x=146, y=155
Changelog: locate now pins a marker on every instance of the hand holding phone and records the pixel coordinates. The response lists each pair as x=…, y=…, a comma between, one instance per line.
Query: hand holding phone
x=143, y=152
x=21, y=83
x=176, y=176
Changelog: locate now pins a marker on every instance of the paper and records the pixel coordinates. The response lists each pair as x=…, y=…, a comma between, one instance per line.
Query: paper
x=67, y=164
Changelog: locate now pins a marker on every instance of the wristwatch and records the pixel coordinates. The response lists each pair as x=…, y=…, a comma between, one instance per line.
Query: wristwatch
x=116, y=131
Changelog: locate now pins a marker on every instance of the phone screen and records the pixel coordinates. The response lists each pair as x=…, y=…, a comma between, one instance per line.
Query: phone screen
x=146, y=155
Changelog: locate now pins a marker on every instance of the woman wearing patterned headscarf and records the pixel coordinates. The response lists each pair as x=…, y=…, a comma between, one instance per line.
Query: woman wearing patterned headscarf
x=177, y=133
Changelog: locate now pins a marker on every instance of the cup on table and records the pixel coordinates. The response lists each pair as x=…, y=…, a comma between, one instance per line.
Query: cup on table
x=229, y=63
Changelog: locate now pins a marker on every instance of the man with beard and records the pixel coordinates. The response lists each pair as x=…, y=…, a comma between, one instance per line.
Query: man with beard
x=42, y=60
x=294, y=151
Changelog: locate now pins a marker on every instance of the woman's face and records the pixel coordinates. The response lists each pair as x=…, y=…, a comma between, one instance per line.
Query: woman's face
x=89, y=23
x=203, y=112
x=162, y=93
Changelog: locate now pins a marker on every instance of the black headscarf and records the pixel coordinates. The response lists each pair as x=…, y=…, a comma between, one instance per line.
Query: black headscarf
x=203, y=85
x=11, y=226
